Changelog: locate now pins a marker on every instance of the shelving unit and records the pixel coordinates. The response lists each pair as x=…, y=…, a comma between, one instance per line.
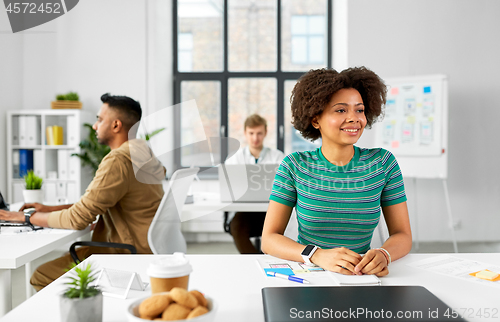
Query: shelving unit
x=64, y=180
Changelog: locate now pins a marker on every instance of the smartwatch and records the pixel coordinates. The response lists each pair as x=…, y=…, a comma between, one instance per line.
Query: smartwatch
x=27, y=215
x=308, y=252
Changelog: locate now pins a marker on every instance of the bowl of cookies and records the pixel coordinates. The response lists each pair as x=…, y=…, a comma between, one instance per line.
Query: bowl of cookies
x=176, y=305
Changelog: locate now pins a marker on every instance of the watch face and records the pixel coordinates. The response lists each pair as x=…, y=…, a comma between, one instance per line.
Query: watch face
x=307, y=250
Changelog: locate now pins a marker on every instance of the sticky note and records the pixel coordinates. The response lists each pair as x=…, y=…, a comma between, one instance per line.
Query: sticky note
x=285, y=271
x=410, y=120
x=395, y=144
x=427, y=89
x=487, y=275
x=394, y=91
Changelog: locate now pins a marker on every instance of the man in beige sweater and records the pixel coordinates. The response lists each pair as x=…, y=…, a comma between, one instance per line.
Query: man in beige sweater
x=126, y=191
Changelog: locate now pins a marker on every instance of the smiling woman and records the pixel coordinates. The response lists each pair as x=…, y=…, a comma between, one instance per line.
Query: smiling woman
x=339, y=189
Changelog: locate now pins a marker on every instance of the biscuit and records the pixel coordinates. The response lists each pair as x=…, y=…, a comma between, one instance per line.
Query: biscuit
x=175, y=312
x=197, y=311
x=154, y=306
x=202, y=301
x=181, y=296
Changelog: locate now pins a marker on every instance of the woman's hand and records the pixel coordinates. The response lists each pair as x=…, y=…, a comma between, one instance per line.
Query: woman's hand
x=339, y=260
x=373, y=263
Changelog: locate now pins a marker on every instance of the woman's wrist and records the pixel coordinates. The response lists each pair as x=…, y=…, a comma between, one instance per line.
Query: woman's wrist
x=316, y=256
x=386, y=254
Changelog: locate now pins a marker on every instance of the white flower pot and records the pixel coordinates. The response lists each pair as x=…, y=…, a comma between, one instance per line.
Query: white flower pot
x=81, y=310
x=31, y=196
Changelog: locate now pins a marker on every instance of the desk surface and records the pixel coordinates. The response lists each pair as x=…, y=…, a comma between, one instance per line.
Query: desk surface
x=235, y=282
x=17, y=249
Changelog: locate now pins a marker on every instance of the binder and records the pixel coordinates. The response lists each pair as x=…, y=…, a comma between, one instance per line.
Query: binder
x=57, y=132
x=74, y=166
x=15, y=164
x=22, y=130
x=61, y=191
x=72, y=130
x=50, y=192
x=49, y=135
x=71, y=192
x=31, y=130
x=38, y=163
x=18, y=192
x=62, y=164
x=25, y=161
x=15, y=131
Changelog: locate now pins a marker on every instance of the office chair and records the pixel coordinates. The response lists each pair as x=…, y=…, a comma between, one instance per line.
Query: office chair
x=164, y=233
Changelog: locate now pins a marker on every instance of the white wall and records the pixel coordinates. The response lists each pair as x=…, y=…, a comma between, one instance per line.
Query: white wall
x=11, y=76
x=117, y=46
x=457, y=38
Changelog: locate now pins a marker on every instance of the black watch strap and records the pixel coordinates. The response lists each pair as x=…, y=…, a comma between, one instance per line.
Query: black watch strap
x=27, y=215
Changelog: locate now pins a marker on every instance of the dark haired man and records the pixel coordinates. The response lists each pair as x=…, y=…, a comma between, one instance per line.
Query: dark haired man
x=125, y=192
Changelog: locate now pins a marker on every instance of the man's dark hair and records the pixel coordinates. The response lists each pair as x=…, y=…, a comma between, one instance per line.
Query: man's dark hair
x=129, y=110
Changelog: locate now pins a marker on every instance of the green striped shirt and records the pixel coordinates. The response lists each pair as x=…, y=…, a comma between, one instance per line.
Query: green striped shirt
x=338, y=206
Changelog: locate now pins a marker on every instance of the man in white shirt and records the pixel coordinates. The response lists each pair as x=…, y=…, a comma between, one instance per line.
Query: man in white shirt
x=249, y=224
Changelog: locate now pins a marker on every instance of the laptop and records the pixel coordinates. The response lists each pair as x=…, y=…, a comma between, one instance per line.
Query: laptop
x=3, y=204
x=246, y=182
x=354, y=303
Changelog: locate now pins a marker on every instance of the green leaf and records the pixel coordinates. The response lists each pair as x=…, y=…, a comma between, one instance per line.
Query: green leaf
x=80, y=281
x=32, y=181
x=148, y=136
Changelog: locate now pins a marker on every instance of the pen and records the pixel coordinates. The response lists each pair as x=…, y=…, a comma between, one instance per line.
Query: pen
x=288, y=277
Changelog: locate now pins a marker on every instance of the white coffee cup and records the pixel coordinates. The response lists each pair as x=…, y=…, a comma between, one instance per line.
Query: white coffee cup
x=168, y=272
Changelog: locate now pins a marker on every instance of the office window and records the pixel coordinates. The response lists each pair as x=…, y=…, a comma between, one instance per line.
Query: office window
x=304, y=35
x=248, y=96
x=185, y=52
x=207, y=97
x=239, y=57
x=308, y=33
x=199, y=35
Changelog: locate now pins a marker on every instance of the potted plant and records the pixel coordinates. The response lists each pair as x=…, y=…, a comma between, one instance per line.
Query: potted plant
x=69, y=100
x=81, y=301
x=33, y=188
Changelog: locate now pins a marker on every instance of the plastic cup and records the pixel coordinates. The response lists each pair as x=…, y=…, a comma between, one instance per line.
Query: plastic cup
x=168, y=272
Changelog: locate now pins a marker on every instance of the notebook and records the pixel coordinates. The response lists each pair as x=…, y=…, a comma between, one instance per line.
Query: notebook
x=353, y=303
x=246, y=182
x=353, y=280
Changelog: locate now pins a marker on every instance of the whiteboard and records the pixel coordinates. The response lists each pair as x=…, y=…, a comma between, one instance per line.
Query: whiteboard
x=415, y=125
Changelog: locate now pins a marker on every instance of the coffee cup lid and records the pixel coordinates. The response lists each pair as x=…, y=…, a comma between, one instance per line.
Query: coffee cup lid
x=175, y=265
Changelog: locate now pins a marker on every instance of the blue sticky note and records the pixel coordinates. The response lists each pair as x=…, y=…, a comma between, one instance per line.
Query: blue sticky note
x=285, y=271
x=427, y=89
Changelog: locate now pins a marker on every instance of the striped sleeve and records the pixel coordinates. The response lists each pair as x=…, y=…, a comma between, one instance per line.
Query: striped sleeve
x=284, y=190
x=394, y=189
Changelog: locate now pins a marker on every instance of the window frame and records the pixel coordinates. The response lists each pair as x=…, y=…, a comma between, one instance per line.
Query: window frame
x=224, y=76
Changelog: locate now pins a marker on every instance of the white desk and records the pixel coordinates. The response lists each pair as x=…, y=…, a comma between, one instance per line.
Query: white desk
x=20, y=249
x=235, y=282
